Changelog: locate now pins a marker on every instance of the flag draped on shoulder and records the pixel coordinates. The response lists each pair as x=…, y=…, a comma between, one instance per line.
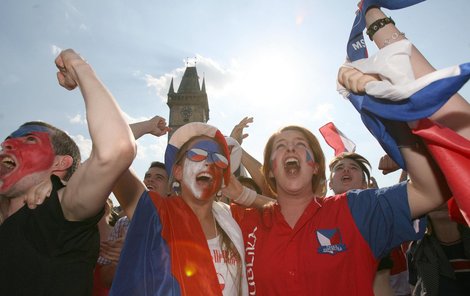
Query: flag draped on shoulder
x=409, y=100
x=165, y=252
x=336, y=139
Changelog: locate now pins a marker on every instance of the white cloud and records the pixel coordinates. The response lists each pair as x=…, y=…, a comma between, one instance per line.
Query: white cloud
x=84, y=144
x=55, y=50
x=151, y=152
x=323, y=111
x=77, y=119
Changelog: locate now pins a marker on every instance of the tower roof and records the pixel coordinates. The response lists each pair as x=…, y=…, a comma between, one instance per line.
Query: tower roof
x=172, y=90
x=190, y=81
x=203, y=88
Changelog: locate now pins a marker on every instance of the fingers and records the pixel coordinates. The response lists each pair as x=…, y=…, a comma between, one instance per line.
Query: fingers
x=387, y=165
x=354, y=80
x=38, y=194
x=237, y=131
x=111, y=250
x=233, y=189
x=65, y=63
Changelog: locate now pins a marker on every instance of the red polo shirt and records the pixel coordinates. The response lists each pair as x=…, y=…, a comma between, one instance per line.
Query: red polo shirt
x=332, y=249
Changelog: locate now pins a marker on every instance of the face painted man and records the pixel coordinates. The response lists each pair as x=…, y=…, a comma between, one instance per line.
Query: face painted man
x=28, y=157
x=52, y=249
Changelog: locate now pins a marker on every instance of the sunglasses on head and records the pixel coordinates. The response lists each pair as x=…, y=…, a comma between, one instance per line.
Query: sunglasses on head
x=198, y=155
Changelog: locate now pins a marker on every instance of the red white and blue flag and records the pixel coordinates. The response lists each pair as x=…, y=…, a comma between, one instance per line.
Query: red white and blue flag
x=336, y=139
x=451, y=151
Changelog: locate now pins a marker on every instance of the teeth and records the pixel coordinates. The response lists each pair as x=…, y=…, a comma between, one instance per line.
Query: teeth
x=346, y=178
x=291, y=161
x=8, y=162
x=204, y=176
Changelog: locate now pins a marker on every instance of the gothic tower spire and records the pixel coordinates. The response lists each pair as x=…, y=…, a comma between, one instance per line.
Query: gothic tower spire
x=189, y=103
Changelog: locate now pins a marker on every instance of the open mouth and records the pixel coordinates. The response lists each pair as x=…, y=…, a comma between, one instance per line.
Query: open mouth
x=204, y=178
x=292, y=165
x=7, y=165
x=346, y=179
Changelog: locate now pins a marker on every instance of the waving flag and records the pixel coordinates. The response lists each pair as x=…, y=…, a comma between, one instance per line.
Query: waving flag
x=356, y=47
x=336, y=139
x=452, y=154
x=450, y=151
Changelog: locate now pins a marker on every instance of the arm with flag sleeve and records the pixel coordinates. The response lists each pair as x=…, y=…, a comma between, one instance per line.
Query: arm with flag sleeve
x=456, y=110
x=402, y=74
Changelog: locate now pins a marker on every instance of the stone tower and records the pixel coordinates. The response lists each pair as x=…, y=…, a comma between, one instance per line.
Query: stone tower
x=189, y=103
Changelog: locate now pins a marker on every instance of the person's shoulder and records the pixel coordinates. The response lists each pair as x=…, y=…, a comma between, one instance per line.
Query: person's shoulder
x=327, y=200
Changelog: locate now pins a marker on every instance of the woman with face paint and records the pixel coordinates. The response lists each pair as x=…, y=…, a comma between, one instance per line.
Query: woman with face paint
x=185, y=244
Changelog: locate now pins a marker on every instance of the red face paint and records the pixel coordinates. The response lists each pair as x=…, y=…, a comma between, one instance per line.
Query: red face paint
x=203, y=169
x=28, y=150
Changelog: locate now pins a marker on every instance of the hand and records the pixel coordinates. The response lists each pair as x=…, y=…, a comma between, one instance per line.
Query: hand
x=38, y=193
x=237, y=132
x=158, y=126
x=387, y=165
x=354, y=80
x=66, y=63
x=111, y=250
x=233, y=189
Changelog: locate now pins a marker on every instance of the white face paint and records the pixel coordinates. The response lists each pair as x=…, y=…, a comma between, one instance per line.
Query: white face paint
x=202, y=174
x=190, y=170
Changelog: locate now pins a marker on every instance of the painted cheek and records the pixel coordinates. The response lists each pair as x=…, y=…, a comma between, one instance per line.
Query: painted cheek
x=190, y=171
x=31, y=159
x=209, y=192
x=309, y=158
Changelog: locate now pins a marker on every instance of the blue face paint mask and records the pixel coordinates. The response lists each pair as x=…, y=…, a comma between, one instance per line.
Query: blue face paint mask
x=28, y=129
x=209, y=150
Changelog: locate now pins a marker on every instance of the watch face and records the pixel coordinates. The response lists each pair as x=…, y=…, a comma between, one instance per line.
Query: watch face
x=186, y=113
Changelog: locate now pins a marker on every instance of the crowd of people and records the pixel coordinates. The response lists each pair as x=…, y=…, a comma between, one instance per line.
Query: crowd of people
x=201, y=223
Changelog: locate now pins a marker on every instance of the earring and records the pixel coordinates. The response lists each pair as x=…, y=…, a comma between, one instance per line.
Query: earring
x=176, y=187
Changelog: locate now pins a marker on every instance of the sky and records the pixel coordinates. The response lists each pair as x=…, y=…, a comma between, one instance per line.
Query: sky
x=272, y=60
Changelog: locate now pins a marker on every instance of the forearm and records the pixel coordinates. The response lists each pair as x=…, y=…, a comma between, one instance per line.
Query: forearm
x=140, y=128
x=457, y=105
x=128, y=190
x=427, y=188
x=253, y=166
x=107, y=274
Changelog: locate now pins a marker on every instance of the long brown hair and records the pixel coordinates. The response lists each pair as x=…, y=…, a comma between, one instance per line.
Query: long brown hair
x=318, y=180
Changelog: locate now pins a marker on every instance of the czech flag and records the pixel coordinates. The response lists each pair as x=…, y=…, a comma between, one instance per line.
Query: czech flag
x=449, y=149
x=336, y=139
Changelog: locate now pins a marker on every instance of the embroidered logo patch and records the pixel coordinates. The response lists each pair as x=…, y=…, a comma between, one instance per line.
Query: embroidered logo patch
x=330, y=241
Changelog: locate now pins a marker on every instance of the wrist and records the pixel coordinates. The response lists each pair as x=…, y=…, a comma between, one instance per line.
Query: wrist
x=373, y=14
x=247, y=197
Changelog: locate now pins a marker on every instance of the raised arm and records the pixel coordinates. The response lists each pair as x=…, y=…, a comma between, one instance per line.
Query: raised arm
x=427, y=188
x=129, y=187
x=113, y=147
x=155, y=126
x=455, y=114
x=251, y=164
